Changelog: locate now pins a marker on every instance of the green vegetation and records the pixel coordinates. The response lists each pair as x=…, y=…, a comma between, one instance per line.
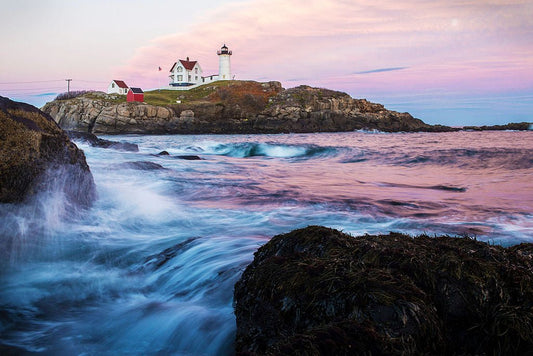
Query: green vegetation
x=170, y=97
x=245, y=94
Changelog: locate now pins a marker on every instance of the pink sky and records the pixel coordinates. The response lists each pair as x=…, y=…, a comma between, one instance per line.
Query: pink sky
x=382, y=50
x=481, y=44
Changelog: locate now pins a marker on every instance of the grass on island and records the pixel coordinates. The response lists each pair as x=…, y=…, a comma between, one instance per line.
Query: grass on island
x=170, y=97
x=240, y=90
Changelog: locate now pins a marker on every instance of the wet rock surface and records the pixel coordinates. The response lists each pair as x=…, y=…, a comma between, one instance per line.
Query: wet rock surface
x=189, y=157
x=36, y=155
x=319, y=291
x=140, y=165
x=95, y=141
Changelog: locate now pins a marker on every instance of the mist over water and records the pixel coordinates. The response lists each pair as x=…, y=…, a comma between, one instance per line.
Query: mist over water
x=150, y=268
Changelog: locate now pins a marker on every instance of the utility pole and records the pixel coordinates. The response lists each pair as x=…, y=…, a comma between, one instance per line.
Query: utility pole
x=68, y=85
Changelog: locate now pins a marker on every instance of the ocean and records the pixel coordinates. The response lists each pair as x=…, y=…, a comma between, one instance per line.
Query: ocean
x=150, y=268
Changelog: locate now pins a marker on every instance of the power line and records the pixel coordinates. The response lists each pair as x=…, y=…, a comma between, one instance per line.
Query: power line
x=33, y=81
x=51, y=81
x=90, y=81
x=30, y=90
x=39, y=86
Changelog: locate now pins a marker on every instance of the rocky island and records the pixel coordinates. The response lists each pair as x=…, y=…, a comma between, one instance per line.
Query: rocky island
x=230, y=107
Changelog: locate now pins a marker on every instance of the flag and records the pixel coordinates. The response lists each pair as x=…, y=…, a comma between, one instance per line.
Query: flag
x=160, y=69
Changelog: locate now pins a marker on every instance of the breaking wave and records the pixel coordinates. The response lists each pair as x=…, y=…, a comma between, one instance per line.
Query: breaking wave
x=254, y=149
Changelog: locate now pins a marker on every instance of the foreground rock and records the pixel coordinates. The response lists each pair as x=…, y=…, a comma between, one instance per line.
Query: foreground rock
x=36, y=155
x=238, y=107
x=318, y=291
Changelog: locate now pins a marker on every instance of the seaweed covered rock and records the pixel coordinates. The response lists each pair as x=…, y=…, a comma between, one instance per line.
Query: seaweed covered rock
x=37, y=155
x=319, y=291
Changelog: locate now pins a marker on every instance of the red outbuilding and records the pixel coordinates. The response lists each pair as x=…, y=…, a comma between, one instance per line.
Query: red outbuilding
x=135, y=94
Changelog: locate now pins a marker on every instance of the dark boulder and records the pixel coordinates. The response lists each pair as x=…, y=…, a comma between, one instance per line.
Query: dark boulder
x=140, y=165
x=319, y=291
x=94, y=141
x=189, y=157
x=185, y=157
x=36, y=155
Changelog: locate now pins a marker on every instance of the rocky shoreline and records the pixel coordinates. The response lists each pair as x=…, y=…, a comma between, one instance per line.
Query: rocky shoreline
x=318, y=291
x=239, y=107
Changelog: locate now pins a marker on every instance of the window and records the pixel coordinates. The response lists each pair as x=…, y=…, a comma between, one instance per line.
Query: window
x=196, y=78
x=189, y=77
x=112, y=85
x=180, y=78
x=180, y=69
x=196, y=70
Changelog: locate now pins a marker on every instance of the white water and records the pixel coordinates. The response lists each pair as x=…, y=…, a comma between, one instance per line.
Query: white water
x=150, y=268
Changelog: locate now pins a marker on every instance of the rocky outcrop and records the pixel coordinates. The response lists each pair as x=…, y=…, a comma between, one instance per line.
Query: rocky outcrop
x=36, y=155
x=515, y=126
x=307, y=109
x=237, y=107
x=100, y=113
x=317, y=291
x=95, y=141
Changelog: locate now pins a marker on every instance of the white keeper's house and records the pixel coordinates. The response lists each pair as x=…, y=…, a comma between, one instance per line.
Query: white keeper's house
x=186, y=73
x=117, y=87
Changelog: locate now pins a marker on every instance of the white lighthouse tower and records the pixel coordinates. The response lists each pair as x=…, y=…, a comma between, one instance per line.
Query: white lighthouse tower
x=224, y=64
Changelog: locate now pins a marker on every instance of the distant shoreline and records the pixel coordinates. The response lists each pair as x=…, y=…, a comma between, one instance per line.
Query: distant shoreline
x=512, y=126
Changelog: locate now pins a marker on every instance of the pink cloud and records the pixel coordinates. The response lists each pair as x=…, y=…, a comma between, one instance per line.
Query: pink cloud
x=454, y=45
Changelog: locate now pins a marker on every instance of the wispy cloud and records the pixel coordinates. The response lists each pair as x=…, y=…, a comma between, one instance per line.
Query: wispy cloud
x=379, y=70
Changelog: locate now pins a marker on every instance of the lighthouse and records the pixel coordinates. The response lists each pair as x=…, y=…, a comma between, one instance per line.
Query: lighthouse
x=224, y=64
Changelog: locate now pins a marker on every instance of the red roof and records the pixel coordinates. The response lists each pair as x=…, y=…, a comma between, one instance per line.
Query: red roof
x=121, y=84
x=189, y=65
